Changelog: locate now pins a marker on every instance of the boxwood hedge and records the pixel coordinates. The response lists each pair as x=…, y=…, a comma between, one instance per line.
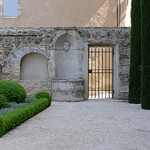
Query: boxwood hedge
x=12, y=91
x=19, y=115
x=3, y=102
x=44, y=94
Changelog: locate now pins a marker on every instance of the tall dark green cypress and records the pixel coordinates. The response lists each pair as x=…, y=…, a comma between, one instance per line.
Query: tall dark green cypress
x=135, y=57
x=145, y=49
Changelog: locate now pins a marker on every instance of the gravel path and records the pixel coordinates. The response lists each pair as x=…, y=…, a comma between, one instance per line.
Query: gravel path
x=89, y=125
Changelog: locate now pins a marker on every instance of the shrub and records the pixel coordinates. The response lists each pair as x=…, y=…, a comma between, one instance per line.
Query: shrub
x=30, y=99
x=12, y=91
x=135, y=58
x=3, y=102
x=145, y=49
x=44, y=95
x=12, y=106
x=19, y=115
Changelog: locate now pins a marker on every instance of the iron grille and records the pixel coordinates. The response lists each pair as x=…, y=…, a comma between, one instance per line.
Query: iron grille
x=100, y=72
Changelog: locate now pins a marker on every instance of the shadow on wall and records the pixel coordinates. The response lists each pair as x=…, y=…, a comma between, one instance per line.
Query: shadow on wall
x=64, y=13
x=123, y=12
x=105, y=15
x=108, y=15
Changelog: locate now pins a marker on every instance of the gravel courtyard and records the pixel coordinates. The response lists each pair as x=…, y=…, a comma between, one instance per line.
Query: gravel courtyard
x=105, y=124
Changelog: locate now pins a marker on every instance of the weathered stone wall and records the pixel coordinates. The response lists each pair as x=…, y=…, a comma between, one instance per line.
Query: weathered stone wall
x=15, y=43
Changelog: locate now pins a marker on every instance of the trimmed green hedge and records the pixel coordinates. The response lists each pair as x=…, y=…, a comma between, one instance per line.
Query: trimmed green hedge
x=13, y=91
x=44, y=95
x=19, y=115
x=14, y=105
x=3, y=102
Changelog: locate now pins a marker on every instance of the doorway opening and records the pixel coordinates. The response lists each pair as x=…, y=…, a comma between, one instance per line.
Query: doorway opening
x=100, y=72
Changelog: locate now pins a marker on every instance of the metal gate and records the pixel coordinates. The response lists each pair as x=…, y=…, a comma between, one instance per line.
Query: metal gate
x=100, y=72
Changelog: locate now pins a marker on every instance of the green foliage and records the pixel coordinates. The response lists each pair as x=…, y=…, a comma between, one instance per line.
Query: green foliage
x=12, y=91
x=30, y=99
x=14, y=105
x=44, y=95
x=135, y=59
x=19, y=115
x=3, y=102
x=145, y=38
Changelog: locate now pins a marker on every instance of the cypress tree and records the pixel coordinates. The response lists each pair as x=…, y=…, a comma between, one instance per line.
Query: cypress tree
x=135, y=57
x=145, y=49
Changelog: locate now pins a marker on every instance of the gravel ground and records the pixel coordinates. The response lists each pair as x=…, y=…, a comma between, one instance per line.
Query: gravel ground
x=89, y=125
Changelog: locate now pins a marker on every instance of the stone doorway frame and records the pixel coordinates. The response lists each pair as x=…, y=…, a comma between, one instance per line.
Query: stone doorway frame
x=116, y=79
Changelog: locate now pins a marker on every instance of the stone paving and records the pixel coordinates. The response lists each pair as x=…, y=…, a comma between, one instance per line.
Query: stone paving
x=105, y=124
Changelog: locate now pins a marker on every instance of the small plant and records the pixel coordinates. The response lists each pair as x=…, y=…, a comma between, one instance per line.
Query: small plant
x=3, y=102
x=21, y=114
x=13, y=91
x=12, y=106
x=30, y=99
x=44, y=95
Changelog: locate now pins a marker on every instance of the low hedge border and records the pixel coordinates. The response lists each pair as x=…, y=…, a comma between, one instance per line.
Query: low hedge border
x=19, y=115
x=14, y=105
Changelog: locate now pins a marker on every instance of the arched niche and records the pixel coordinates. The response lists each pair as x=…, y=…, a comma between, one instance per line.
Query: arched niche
x=67, y=57
x=34, y=66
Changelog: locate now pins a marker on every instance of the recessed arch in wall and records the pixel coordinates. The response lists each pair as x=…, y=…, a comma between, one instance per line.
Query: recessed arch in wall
x=67, y=55
x=34, y=66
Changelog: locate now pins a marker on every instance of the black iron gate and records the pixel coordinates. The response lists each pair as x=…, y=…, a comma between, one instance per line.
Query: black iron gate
x=100, y=72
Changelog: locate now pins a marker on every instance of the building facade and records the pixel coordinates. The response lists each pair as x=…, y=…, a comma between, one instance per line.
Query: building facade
x=63, y=13
x=73, y=49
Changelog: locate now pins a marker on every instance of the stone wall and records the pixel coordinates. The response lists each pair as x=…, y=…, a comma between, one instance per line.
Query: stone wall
x=15, y=43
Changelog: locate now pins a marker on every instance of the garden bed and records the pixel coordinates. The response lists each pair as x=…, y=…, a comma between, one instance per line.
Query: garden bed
x=14, y=105
x=26, y=110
